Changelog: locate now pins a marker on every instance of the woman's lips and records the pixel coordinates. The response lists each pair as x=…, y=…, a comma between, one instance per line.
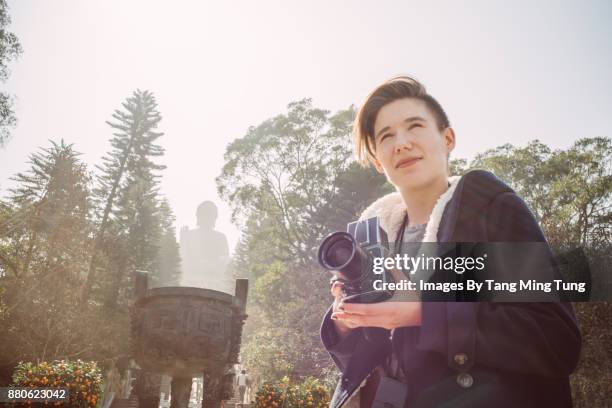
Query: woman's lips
x=407, y=162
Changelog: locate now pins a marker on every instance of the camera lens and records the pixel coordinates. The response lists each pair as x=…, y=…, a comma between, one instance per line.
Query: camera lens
x=339, y=253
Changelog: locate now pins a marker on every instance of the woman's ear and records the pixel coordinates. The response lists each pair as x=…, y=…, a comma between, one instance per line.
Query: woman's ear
x=449, y=139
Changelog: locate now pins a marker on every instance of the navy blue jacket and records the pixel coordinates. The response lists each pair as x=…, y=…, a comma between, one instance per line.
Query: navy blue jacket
x=474, y=354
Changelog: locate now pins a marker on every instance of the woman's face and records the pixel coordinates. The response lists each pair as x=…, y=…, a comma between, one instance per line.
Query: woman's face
x=410, y=149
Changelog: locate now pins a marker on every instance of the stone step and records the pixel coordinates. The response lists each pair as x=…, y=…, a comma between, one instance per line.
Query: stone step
x=125, y=403
x=133, y=403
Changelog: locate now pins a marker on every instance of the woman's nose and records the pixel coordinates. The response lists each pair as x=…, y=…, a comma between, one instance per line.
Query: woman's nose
x=402, y=142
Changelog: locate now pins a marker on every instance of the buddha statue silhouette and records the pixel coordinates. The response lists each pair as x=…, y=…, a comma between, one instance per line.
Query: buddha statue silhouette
x=205, y=254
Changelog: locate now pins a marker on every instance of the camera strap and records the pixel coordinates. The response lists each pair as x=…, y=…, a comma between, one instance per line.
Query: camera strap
x=399, y=240
x=392, y=364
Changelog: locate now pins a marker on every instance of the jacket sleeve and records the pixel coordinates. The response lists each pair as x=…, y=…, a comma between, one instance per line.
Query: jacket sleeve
x=533, y=338
x=340, y=350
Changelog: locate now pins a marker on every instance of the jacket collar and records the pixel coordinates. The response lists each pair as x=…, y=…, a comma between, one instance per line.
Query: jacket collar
x=391, y=210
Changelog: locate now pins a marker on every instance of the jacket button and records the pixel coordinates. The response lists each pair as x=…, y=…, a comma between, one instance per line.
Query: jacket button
x=461, y=358
x=465, y=380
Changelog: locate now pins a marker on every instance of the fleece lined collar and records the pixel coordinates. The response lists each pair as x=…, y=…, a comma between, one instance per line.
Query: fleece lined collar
x=391, y=210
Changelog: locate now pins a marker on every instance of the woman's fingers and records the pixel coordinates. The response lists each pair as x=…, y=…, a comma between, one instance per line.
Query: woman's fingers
x=351, y=321
x=364, y=309
x=336, y=290
x=386, y=315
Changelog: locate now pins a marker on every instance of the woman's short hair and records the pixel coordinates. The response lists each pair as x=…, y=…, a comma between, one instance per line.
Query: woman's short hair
x=392, y=90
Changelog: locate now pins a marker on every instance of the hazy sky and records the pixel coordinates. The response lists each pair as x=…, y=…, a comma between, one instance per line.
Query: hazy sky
x=506, y=72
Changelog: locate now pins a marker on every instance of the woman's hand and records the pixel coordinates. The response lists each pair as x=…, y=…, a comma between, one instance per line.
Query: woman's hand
x=388, y=315
x=343, y=327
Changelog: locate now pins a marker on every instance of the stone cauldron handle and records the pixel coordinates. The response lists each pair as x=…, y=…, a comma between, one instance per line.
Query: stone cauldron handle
x=241, y=292
x=141, y=284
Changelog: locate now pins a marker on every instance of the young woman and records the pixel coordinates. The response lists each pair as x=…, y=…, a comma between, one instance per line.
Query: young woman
x=447, y=354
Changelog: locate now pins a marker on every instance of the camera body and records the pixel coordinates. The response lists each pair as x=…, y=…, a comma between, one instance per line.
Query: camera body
x=350, y=256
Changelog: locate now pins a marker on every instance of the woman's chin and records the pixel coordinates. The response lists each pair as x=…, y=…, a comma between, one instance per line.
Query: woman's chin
x=416, y=181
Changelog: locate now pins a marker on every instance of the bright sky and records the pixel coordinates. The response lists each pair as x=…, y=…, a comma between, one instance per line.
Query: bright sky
x=506, y=72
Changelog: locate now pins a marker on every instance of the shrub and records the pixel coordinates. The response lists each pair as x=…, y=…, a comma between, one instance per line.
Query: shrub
x=309, y=394
x=82, y=379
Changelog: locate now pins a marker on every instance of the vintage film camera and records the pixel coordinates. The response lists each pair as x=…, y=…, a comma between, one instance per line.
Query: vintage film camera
x=352, y=254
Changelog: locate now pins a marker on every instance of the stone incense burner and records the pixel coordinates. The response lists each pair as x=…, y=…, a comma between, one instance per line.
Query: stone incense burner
x=186, y=332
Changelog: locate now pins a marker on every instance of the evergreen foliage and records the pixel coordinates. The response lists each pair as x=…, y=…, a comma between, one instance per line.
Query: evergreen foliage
x=52, y=224
x=44, y=230
x=10, y=49
x=127, y=190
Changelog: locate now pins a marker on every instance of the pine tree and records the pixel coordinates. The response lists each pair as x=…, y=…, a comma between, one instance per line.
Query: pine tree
x=127, y=190
x=137, y=232
x=49, y=210
x=44, y=251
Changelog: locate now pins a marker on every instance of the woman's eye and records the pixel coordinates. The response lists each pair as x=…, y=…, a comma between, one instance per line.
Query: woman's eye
x=415, y=125
x=386, y=135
